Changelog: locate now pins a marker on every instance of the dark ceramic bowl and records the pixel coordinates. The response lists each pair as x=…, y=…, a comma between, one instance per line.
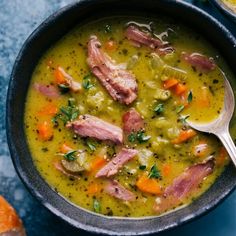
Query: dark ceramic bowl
x=225, y=9
x=40, y=40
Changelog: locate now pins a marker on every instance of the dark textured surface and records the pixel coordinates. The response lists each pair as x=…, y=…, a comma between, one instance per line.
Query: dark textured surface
x=18, y=18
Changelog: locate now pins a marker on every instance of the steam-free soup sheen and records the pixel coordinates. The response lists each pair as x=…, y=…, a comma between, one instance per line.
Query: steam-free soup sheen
x=125, y=94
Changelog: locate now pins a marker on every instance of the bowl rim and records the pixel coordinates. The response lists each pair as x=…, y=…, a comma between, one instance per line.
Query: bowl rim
x=25, y=178
x=225, y=9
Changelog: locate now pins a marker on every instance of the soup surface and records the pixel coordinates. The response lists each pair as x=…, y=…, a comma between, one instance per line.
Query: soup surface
x=106, y=116
x=231, y=4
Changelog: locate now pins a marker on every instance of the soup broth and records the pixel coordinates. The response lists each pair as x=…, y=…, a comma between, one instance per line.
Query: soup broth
x=75, y=127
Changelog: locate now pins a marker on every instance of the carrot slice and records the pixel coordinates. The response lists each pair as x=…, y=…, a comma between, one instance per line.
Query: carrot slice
x=49, y=109
x=148, y=185
x=59, y=77
x=9, y=220
x=94, y=188
x=203, y=100
x=170, y=83
x=180, y=89
x=110, y=45
x=97, y=164
x=45, y=131
x=166, y=169
x=184, y=136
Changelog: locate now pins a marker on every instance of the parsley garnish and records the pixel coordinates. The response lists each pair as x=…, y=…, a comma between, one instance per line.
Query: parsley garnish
x=64, y=88
x=108, y=28
x=154, y=173
x=142, y=167
x=183, y=119
x=139, y=136
x=87, y=82
x=68, y=113
x=96, y=206
x=179, y=108
x=70, y=156
x=159, y=108
x=190, y=97
x=91, y=145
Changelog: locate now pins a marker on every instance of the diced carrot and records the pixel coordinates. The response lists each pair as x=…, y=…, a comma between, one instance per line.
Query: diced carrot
x=170, y=83
x=166, y=169
x=180, y=89
x=65, y=148
x=94, y=188
x=203, y=98
x=45, y=131
x=59, y=77
x=50, y=109
x=201, y=149
x=110, y=45
x=222, y=157
x=9, y=220
x=184, y=136
x=148, y=185
x=97, y=164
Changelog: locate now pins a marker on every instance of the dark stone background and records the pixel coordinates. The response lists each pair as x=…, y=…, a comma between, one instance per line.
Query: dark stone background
x=18, y=18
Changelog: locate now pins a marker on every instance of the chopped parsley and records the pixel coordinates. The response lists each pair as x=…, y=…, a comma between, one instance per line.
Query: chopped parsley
x=70, y=156
x=108, y=28
x=159, y=108
x=91, y=145
x=183, y=119
x=179, y=108
x=190, y=97
x=139, y=137
x=154, y=173
x=96, y=206
x=142, y=167
x=87, y=82
x=64, y=88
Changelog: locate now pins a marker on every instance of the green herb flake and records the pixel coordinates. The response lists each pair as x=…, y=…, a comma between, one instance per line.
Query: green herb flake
x=183, y=119
x=142, y=167
x=154, y=173
x=190, y=97
x=159, y=108
x=179, y=108
x=87, y=82
x=63, y=88
x=132, y=137
x=141, y=137
x=108, y=28
x=96, y=206
x=70, y=156
x=91, y=145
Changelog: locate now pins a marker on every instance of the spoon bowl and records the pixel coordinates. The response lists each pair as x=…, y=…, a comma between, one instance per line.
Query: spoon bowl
x=220, y=126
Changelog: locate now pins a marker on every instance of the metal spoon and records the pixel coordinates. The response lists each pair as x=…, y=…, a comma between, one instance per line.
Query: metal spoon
x=220, y=126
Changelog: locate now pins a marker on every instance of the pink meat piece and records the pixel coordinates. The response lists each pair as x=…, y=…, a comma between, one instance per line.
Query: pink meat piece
x=133, y=121
x=116, y=190
x=73, y=85
x=140, y=38
x=113, y=166
x=183, y=186
x=201, y=62
x=60, y=168
x=47, y=90
x=120, y=83
x=93, y=127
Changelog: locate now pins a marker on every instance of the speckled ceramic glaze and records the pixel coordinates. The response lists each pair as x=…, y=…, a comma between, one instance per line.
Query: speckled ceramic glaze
x=45, y=35
x=225, y=9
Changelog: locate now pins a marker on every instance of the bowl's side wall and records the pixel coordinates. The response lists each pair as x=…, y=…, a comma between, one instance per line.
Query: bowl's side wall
x=41, y=39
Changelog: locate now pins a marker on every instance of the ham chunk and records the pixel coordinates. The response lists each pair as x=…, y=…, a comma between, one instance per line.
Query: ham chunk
x=116, y=190
x=133, y=121
x=47, y=90
x=140, y=38
x=113, y=166
x=93, y=127
x=201, y=62
x=183, y=186
x=120, y=83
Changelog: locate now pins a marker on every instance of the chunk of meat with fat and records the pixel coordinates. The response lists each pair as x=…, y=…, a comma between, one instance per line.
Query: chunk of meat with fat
x=49, y=91
x=118, y=191
x=132, y=121
x=119, y=82
x=93, y=127
x=58, y=165
x=10, y=223
x=113, y=166
x=183, y=186
x=140, y=38
x=201, y=62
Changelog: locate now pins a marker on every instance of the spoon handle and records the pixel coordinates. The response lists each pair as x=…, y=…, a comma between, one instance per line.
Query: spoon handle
x=228, y=144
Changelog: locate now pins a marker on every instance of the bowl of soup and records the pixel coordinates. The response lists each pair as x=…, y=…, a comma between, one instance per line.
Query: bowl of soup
x=228, y=7
x=97, y=113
